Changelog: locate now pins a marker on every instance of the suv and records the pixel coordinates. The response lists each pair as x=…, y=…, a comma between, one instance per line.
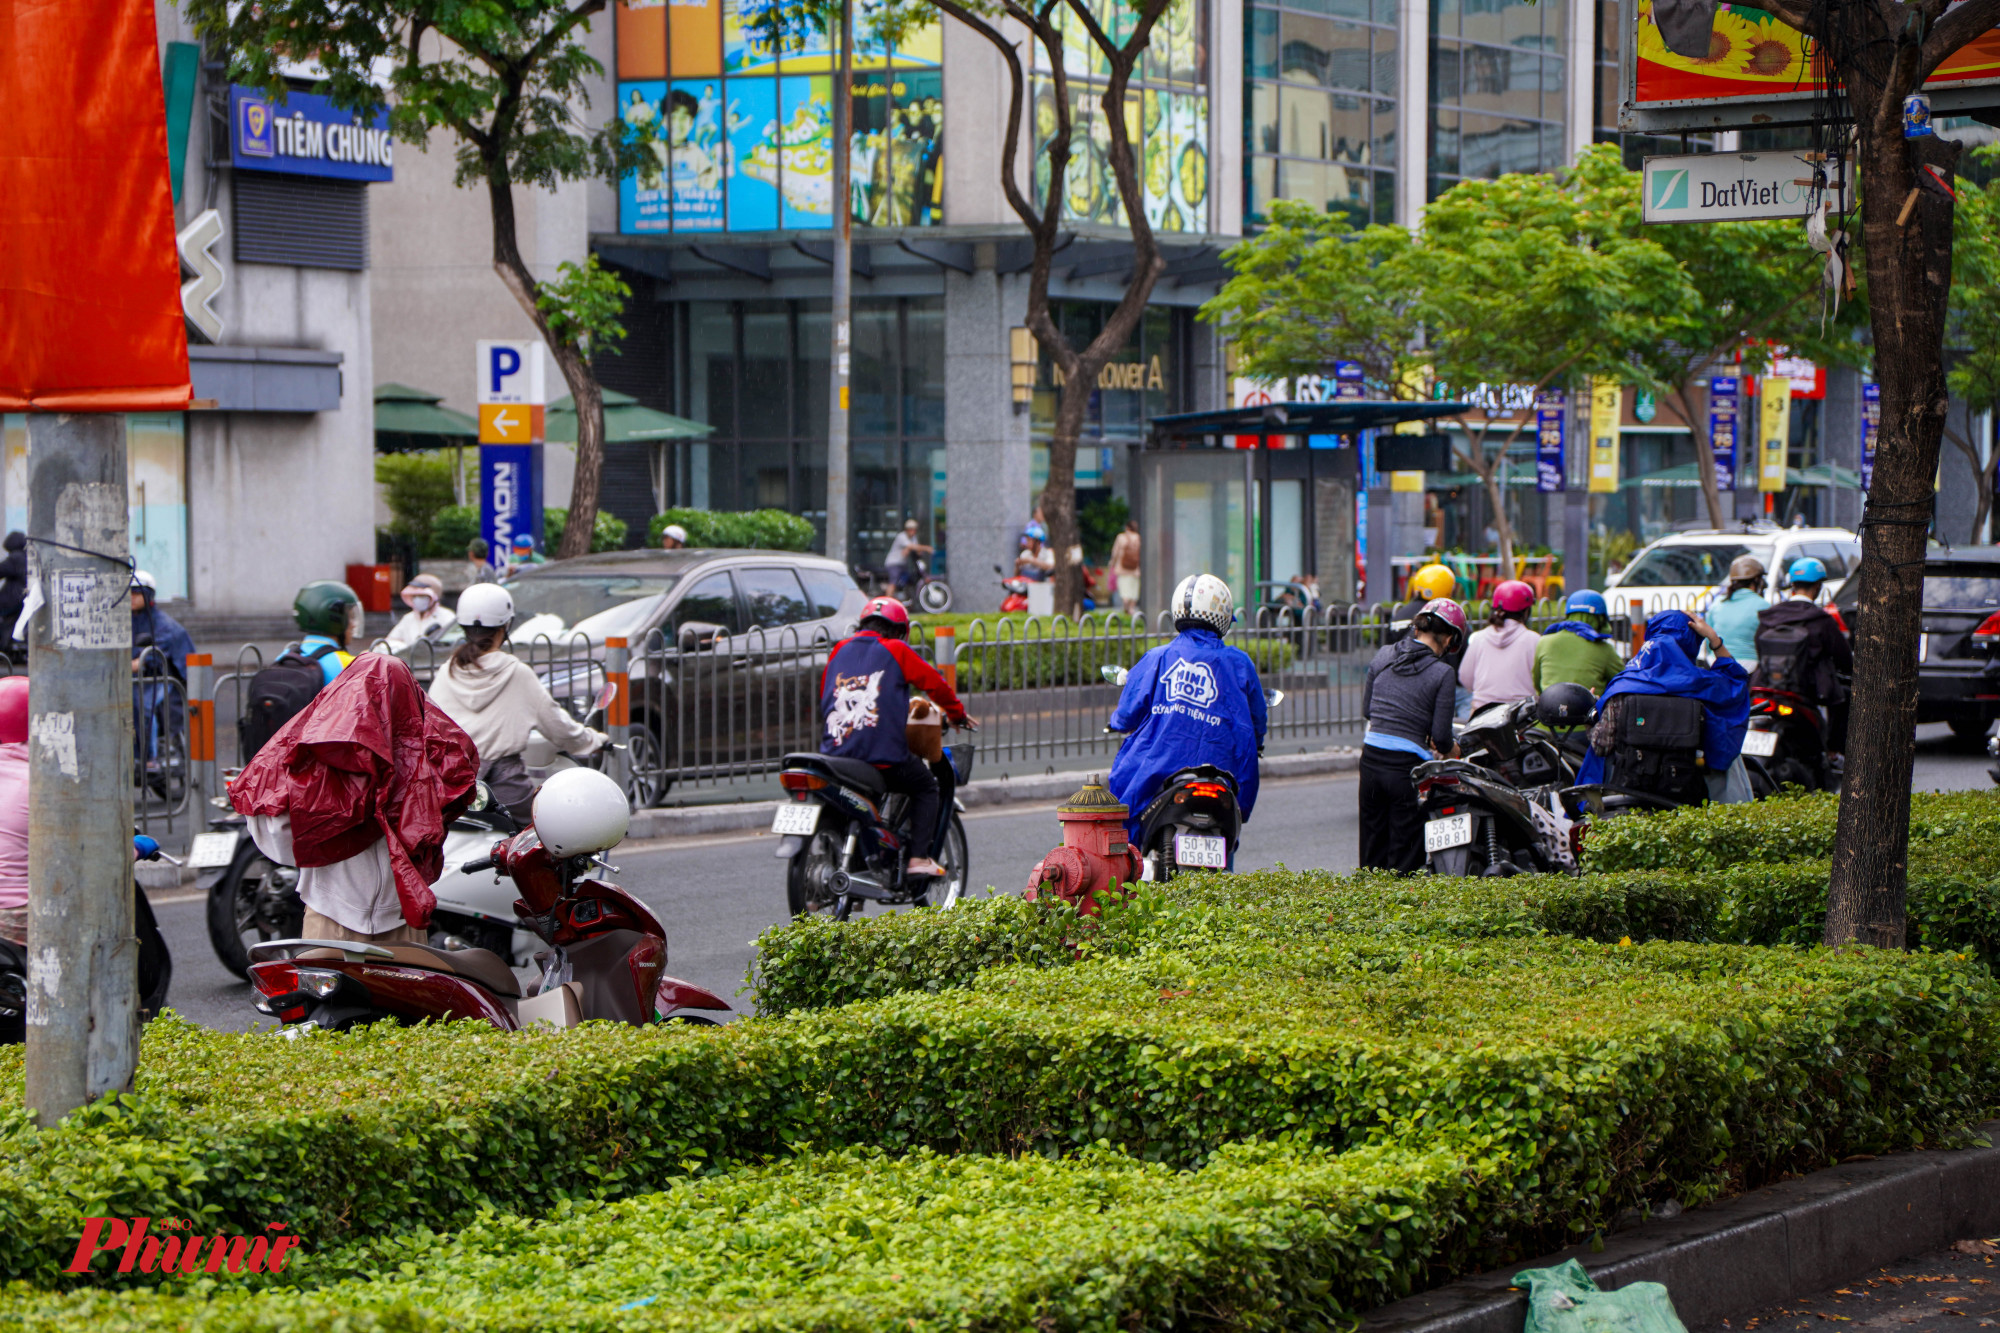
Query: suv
x=727, y=648
x=1681, y=572
x=1958, y=674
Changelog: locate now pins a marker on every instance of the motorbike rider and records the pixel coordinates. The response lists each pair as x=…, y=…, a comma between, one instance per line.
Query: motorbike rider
x=1037, y=560
x=1577, y=649
x=1427, y=585
x=497, y=698
x=330, y=614
x=160, y=649
x=673, y=537
x=1734, y=611
x=1812, y=637
x=1499, y=665
x=864, y=711
x=904, y=552
x=1194, y=700
x=1408, y=701
x=1666, y=665
x=428, y=617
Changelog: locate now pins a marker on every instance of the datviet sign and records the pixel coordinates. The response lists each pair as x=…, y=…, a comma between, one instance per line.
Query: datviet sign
x=1728, y=187
x=307, y=136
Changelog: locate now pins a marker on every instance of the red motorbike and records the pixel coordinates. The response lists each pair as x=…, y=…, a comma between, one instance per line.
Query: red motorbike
x=607, y=959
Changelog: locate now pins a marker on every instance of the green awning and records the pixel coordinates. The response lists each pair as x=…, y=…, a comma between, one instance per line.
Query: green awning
x=407, y=418
x=626, y=421
x=1451, y=481
x=1683, y=477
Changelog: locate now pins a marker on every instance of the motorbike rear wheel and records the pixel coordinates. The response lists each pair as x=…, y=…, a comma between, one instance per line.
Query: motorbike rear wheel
x=809, y=875
x=244, y=902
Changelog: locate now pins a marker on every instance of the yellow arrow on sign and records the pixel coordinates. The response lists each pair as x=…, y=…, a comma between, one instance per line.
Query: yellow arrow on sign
x=507, y=423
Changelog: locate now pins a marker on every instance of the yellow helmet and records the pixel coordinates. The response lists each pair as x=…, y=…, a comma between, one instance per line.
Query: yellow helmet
x=1432, y=582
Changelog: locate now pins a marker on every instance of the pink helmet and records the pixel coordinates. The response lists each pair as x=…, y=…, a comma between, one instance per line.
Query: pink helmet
x=889, y=610
x=1444, y=610
x=14, y=710
x=1512, y=596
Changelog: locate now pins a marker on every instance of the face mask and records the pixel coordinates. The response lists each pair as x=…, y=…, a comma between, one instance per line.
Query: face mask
x=421, y=603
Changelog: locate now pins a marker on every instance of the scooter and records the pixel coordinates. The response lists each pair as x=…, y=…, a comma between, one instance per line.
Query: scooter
x=929, y=594
x=844, y=837
x=1508, y=739
x=1786, y=743
x=156, y=963
x=1478, y=823
x=1016, y=589
x=606, y=959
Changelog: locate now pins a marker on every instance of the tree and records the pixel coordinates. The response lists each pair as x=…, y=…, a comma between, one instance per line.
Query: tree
x=507, y=78
x=1974, y=327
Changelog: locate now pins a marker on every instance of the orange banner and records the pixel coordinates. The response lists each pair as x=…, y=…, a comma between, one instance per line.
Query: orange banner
x=90, y=309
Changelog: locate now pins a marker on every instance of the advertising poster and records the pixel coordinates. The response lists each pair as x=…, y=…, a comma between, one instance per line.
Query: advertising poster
x=751, y=35
x=1722, y=403
x=1606, y=398
x=697, y=154
x=798, y=157
x=642, y=39
x=694, y=38
x=1551, y=426
x=752, y=182
x=1349, y=380
x=644, y=204
x=1871, y=423
x=1774, y=433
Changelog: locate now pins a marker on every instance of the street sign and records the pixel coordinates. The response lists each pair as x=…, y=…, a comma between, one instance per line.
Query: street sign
x=1729, y=187
x=1774, y=433
x=1551, y=441
x=510, y=423
x=1606, y=400
x=510, y=496
x=1722, y=429
x=510, y=372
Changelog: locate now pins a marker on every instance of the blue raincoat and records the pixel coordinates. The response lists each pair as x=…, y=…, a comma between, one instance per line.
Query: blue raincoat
x=1193, y=701
x=1666, y=665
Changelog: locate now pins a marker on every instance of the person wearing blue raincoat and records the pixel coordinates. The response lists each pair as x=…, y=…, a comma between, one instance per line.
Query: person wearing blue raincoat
x=1193, y=701
x=1666, y=665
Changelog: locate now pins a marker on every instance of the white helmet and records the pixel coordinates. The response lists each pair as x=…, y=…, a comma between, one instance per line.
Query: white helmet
x=486, y=604
x=1203, y=599
x=676, y=531
x=580, y=811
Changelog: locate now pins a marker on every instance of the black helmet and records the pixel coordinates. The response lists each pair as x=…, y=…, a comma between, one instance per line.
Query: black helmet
x=1565, y=705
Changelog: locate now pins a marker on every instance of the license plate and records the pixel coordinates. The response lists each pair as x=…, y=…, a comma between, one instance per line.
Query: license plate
x=1444, y=834
x=209, y=850
x=1763, y=744
x=1209, y=851
x=797, y=819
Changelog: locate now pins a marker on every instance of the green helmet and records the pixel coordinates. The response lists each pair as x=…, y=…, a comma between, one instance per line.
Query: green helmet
x=328, y=607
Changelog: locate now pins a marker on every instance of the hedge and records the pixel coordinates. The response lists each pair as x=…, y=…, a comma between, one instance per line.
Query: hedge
x=1264, y=1236
x=1608, y=1074
x=760, y=529
x=1019, y=653
x=1790, y=827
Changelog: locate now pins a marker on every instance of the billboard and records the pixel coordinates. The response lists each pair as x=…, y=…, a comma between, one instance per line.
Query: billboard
x=307, y=135
x=1759, y=71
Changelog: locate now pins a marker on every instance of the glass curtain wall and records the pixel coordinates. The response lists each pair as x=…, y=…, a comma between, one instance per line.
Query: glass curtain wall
x=1322, y=122
x=1496, y=89
x=756, y=371
x=1146, y=378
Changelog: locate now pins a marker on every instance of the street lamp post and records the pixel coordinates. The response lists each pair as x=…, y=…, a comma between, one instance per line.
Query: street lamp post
x=843, y=267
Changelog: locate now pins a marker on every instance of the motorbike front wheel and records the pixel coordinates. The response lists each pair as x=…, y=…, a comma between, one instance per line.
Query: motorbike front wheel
x=934, y=596
x=248, y=906
x=951, y=854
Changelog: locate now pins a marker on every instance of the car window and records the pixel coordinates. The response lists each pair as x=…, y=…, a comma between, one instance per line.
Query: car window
x=1829, y=555
x=826, y=589
x=1692, y=565
x=597, y=604
x=712, y=602
x=1961, y=587
x=774, y=597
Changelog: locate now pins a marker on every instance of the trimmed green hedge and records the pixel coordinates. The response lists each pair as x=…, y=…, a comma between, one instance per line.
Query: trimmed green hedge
x=1019, y=653
x=1262, y=1237
x=1794, y=827
x=758, y=529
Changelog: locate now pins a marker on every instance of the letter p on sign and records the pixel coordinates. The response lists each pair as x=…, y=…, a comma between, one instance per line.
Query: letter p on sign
x=511, y=373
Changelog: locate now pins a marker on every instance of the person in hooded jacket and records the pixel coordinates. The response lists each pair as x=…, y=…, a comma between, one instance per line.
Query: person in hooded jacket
x=1194, y=700
x=497, y=698
x=1666, y=665
x=1499, y=665
x=1408, y=701
x=13, y=590
x=1577, y=650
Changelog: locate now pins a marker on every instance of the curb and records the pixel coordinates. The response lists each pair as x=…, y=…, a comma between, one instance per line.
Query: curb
x=1758, y=1249
x=693, y=821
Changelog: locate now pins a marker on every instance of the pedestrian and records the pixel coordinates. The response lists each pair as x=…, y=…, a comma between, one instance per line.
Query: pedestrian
x=1499, y=662
x=13, y=589
x=1577, y=650
x=673, y=537
x=478, y=555
x=1734, y=612
x=1407, y=700
x=1125, y=566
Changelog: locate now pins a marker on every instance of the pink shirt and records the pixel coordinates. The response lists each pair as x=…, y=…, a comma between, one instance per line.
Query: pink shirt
x=14, y=825
x=1499, y=664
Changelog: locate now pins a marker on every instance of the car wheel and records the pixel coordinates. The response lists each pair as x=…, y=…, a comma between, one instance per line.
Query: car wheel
x=1970, y=728
x=647, y=785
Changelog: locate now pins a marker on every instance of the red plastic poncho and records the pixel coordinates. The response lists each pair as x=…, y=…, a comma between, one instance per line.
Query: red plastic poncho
x=370, y=757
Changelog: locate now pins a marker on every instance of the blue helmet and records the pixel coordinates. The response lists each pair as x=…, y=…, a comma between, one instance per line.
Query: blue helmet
x=1586, y=603
x=1806, y=569
x=1037, y=531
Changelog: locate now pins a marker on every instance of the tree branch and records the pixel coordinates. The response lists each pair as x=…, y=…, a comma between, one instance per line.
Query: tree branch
x=1016, y=101
x=1955, y=30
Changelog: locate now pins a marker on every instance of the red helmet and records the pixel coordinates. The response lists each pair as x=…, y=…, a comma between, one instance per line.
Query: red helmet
x=1513, y=595
x=890, y=610
x=1444, y=615
x=14, y=710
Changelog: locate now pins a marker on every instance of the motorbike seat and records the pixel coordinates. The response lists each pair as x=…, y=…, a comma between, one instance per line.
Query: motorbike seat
x=854, y=772
x=480, y=965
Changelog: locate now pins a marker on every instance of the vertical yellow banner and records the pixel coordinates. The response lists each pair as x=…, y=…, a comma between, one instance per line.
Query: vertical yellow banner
x=1774, y=431
x=1606, y=409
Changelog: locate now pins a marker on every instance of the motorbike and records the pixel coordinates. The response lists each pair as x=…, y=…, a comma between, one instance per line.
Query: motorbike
x=928, y=594
x=844, y=837
x=1195, y=820
x=605, y=958
x=1016, y=589
x=1499, y=809
x=1786, y=744
x=156, y=962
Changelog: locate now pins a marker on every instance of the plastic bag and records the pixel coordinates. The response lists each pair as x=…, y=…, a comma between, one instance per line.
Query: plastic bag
x=1563, y=1299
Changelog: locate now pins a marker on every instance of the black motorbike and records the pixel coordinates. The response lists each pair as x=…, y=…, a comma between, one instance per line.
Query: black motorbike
x=156, y=963
x=1193, y=824
x=845, y=837
x=1785, y=744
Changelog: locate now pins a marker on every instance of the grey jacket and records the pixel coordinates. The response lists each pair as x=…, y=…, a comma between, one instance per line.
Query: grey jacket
x=1409, y=693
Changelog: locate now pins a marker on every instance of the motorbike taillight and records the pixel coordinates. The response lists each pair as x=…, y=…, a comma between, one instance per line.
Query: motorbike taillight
x=1576, y=832
x=796, y=780
x=1208, y=789
x=1424, y=785
x=280, y=977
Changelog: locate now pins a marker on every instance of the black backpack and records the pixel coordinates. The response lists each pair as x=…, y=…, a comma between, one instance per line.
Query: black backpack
x=277, y=694
x=1788, y=658
x=1654, y=748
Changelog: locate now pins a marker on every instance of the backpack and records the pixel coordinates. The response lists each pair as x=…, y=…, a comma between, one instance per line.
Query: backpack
x=277, y=694
x=1788, y=658
x=1654, y=747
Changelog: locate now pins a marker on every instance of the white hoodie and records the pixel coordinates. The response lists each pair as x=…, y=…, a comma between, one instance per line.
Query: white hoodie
x=498, y=699
x=1499, y=664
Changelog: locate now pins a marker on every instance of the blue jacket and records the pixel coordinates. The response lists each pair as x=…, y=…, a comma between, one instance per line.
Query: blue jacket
x=154, y=628
x=331, y=663
x=1193, y=701
x=1666, y=666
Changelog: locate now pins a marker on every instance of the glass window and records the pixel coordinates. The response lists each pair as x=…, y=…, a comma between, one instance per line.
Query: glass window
x=1385, y=61
x=1385, y=197
x=766, y=401
x=1263, y=43
x=1264, y=120
x=1696, y=566
x=1444, y=17
x=814, y=379
x=1827, y=554
x=710, y=393
x=826, y=589
x=1384, y=138
x=1303, y=125
x=1444, y=142
x=774, y=597
x=1960, y=587
x=871, y=401
x=923, y=368
x=709, y=602
x=1263, y=184
x=1444, y=72
x=1317, y=50
x=1348, y=130
x=596, y=604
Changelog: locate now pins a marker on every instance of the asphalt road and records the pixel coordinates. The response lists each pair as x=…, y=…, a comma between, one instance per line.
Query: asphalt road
x=1952, y=1290
x=716, y=894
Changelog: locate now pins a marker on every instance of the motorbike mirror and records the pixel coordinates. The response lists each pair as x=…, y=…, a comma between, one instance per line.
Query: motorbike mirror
x=482, y=797
x=702, y=633
x=604, y=697
x=1272, y=698
x=1001, y=572
x=1115, y=675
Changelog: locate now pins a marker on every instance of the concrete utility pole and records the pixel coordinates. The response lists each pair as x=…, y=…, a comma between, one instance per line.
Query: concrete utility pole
x=83, y=958
x=843, y=269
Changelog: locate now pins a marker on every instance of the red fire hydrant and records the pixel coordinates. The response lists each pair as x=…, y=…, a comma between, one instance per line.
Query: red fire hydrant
x=1094, y=853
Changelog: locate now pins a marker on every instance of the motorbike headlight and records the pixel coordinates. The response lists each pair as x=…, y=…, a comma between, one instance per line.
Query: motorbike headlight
x=318, y=981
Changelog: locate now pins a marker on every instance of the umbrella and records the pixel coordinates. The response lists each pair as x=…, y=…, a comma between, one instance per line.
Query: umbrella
x=626, y=421
x=407, y=418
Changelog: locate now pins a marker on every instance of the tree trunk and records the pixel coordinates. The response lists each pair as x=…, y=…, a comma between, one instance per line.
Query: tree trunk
x=1909, y=281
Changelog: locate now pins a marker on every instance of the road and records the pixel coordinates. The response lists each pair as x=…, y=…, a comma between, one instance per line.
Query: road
x=716, y=894
x=1953, y=1290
